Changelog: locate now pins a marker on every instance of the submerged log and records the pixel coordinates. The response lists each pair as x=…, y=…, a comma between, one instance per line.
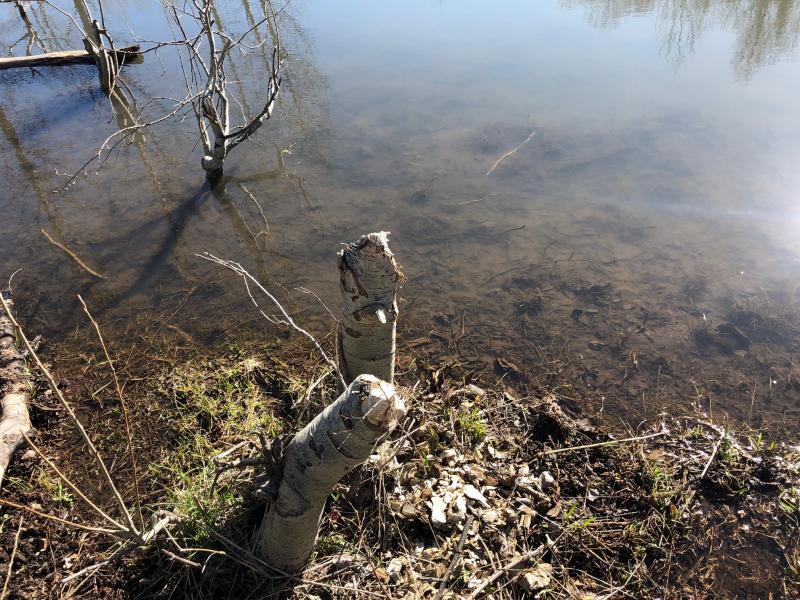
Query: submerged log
x=369, y=279
x=15, y=387
x=340, y=438
x=131, y=54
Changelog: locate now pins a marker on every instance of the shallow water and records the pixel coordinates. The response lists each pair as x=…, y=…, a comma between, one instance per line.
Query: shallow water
x=640, y=251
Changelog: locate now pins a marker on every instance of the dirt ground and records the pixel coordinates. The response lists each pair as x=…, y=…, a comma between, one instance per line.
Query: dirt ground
x=474, y=496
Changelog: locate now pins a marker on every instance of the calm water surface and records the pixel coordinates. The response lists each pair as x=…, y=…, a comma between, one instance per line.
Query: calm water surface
x=640, y=251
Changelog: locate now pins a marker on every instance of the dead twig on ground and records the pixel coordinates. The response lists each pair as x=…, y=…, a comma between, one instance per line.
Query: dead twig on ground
x=456, y=556
x=11, y=560
x=123, y=405
x=505, y=569
x=607, y=443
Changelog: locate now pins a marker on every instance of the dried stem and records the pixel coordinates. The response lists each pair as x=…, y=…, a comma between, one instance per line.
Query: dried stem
x=131, y=528
x=11, y=560
x=120, y=397
x=286, y=320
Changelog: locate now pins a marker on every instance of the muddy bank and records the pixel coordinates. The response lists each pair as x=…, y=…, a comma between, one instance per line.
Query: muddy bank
x=487, y=489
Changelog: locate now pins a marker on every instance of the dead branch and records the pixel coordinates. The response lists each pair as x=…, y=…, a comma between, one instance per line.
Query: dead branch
x=284, y=319
x=504, y=569
x=123, y=405
x=509, y=153
x=129, y=54
x=130, y=529
x=608, y=443
x=73, y=256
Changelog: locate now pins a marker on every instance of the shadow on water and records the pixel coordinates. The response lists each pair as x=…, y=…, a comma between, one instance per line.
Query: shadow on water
x=163, y=251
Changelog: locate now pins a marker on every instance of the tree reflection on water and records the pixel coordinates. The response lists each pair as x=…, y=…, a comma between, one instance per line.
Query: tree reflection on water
x=766, y=30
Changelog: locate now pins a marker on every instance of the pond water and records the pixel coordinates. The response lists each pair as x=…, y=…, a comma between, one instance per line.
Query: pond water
x=639, y=249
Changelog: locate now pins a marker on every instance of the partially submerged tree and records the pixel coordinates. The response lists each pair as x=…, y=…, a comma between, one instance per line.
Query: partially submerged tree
x=205, y=52
x=212, y=104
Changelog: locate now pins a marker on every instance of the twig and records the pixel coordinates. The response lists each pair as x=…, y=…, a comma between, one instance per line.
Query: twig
x=38, y=513
x=11, y=560
x=287, y=320
x=711, y=458
x=74, y=418
x=502, y=570
x=507, y=154
x=456, y=556
x=181, y=559
x=72, y=486
x=314, y=384
x=608, y=443
x=118, y=553
x=74, y=256
x=120, y=397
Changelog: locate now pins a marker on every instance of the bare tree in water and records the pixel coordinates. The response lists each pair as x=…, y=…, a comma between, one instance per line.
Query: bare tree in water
x=204, y=55
x=207, y=80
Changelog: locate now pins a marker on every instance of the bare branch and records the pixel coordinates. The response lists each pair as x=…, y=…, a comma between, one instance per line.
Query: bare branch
x=286, y=320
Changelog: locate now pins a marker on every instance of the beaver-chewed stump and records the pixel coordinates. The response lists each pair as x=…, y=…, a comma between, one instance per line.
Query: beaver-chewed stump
x=15, y=386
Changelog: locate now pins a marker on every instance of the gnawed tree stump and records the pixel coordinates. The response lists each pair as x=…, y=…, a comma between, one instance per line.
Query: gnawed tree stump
x=15, y=388
x=340, y=438
x=369, y=279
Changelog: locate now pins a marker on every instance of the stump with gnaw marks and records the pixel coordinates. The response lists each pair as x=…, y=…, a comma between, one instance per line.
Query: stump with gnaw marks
x=339, y=439
x=369, y=278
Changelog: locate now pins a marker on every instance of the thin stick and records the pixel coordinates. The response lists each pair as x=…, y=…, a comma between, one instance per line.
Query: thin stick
x=608, y=443
x=4, y=502
x=502, y=570
x=131, y=453
x=11, y=560
x=72, y=486
x=73, y=417
x=711, y=458
x=74, y=257
x=121, y=551
x=287, y=320
x=507, y=154
x=752, y=404
x=454, y=560
x=310, y=389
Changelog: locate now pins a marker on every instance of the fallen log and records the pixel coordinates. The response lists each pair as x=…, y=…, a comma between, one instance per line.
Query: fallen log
x=15, y=387
x=128, y=55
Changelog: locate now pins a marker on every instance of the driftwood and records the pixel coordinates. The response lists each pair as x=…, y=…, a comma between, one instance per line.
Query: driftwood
x=369, y=278
x=339, y=439
x=128, y=55
x=15, y=387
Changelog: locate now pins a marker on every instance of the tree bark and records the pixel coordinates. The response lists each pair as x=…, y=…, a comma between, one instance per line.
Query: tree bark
x=15, y=422
x=67, y=57
x=340, y=438
x=369, y=279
